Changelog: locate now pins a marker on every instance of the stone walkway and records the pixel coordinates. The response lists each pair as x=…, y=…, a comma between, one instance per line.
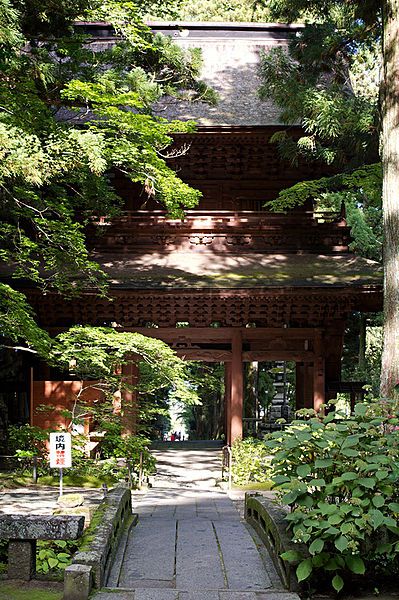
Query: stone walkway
x=190, y=543
x=41, y=500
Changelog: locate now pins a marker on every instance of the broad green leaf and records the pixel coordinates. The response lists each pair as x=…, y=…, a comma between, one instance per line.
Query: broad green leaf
x=346, y=527
x=349, y=476
x=335, y=519
x=383, y=548
x=378, y=501
x=320, y=559
x=327, y=509
x=390, y=522
x=63, y=556
x=381, y=474
x=305, y=500
x=330, y=417
x=316, y=546
x=53, y=562
x=367, y=482
x=291, y=556
x=394, y=506
x=332, y=531
x=331, y=565
x=360, y=409
x=290, y=497
x=355, y=564
x=337, y=583
x=351, y=452
x=303, y=470
x=304, y=569
x=377, y=518
x=341, y=543
x=317, y=483
x=303, y=436
x=323, y=463
x=350, y=441
x=279, y=479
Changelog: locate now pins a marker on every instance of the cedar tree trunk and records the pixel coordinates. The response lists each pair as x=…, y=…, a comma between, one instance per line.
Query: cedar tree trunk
x=390, y=160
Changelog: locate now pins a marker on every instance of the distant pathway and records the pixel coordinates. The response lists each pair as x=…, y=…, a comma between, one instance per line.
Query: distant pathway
x=190, y=543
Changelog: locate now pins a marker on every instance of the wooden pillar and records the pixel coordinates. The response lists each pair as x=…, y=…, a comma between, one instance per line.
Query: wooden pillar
x=130, y=372
x=308, y=385
x=237, y=387
x=319, y=384
x=227, y=401
x=299, y=385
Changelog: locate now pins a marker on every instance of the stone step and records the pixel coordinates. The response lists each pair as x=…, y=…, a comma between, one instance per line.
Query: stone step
x=156, y=593
x=188, y=445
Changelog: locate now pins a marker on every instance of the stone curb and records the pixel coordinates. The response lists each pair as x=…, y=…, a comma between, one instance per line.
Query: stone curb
x=269, y=522
x=96, y=562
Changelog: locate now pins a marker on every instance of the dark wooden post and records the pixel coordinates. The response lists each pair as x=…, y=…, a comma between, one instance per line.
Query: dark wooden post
x=319, y=384
x=227, y=400
x=237, y=387
x=130, y=372
x=299, y=385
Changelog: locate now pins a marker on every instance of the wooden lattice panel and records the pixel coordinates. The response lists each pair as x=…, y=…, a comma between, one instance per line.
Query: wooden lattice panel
x=231, y=309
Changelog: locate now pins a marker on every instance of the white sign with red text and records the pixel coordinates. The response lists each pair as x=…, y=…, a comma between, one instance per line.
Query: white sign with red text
x=60, y=450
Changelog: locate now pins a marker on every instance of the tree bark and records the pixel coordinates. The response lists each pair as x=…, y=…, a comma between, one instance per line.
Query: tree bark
x=362, y=342
x=390, y=161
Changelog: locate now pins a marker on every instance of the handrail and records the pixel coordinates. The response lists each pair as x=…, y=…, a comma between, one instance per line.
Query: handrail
x=214, y=214
x=227, y=452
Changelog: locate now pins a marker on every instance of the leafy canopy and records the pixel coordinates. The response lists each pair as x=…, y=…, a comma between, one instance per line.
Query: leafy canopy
x=71, y=113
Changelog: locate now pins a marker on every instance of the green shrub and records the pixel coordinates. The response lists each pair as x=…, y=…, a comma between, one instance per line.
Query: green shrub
x=115, y=446
x=340, y=478
x=251, y=461
x=55, y=555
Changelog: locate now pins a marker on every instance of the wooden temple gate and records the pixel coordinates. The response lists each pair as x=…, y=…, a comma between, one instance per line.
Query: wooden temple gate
x=248, y=284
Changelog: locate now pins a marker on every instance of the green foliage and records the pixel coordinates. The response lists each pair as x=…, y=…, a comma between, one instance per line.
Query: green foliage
x=27, y=438
x=204, y=419
x=54, y=556
x=17, y=322
x=367, y=180
x=223, y=10
x=340, y=479
x=98, y=353
x=114, y=445
x=313, y=84
x=250, y=461
x=68, y=117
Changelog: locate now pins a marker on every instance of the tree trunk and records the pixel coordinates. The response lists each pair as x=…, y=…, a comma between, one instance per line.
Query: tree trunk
x=390, y=160
x=362, y=342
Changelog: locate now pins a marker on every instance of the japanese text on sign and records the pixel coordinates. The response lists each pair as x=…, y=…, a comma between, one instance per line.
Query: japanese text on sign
x=60, y=450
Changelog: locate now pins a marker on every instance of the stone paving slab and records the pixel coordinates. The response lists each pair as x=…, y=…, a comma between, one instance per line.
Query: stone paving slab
x=242, y=562
x=150, y=552
x=197, y=556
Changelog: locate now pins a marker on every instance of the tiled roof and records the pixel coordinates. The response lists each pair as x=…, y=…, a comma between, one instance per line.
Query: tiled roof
x=207, y=270
x=230, y=59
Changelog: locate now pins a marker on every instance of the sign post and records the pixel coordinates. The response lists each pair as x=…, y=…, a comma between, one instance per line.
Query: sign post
x=60, y=453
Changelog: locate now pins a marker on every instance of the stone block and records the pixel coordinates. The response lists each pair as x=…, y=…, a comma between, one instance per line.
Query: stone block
x=40, y=527
x=70, y=500
x=21, y=559
x=77, y=582
x=85, y=511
